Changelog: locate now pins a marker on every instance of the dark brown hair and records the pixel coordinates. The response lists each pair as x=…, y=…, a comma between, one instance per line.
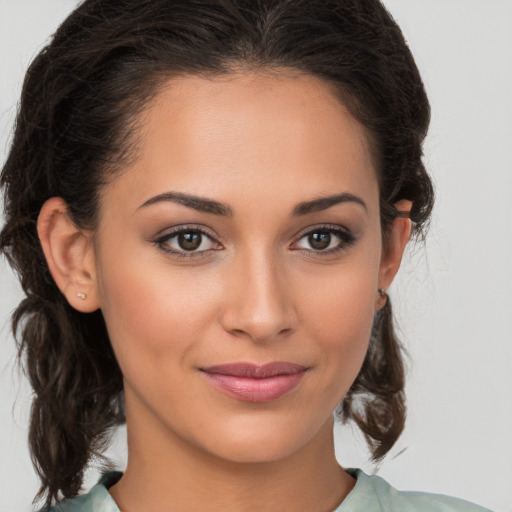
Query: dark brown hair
x=75, y=129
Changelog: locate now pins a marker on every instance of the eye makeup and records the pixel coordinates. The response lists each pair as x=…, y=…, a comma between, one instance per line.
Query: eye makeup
x=325, y=239
x=190, y=241
x=193, y=241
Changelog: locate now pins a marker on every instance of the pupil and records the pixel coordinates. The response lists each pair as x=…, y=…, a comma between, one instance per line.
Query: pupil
x=320, y=240
x=189, y=241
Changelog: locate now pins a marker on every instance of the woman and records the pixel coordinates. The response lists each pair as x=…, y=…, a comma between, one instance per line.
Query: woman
x=222, y=192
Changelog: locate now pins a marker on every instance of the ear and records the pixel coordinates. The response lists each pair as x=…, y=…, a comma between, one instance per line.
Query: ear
x=69, y=253
x=395, y=241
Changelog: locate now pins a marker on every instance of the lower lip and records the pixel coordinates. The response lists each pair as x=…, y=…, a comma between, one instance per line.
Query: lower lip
x=255, y=390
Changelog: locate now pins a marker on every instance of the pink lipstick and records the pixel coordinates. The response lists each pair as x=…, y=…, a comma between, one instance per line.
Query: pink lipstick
x=255, y=383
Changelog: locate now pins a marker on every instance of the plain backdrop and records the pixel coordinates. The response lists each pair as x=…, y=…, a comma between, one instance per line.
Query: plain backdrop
x=453, y=298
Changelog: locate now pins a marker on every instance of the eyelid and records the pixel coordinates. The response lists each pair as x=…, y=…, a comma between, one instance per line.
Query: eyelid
x=319, y=227
x=348, y=238
x=167, y=232
x=164, y=236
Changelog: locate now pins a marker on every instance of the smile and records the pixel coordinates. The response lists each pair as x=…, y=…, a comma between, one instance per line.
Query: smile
x=254, y=383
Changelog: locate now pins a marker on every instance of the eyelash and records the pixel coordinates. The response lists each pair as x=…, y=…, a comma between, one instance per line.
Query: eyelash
x=346, y=239
x=163, y=240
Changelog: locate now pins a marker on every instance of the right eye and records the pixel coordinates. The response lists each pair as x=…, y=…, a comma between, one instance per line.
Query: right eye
x=187, y=242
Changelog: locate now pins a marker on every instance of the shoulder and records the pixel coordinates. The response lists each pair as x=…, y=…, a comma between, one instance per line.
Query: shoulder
x=97, y=499
x=374, y=494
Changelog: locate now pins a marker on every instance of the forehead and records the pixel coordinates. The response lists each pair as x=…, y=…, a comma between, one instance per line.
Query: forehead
x=249, y=135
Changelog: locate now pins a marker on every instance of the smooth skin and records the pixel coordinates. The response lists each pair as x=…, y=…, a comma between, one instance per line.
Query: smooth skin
x=260, y=277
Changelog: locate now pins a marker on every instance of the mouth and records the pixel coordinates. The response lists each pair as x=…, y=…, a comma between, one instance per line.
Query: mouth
x=255, y=383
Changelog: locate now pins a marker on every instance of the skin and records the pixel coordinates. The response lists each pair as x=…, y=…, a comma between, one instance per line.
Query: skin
x=255, y=291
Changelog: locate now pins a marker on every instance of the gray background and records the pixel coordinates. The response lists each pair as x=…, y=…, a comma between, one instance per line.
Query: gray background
x=453, y=297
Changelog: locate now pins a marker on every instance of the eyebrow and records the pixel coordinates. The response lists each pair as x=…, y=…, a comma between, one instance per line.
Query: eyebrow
x=206, y=205
x=323, y=203
x=200, y=204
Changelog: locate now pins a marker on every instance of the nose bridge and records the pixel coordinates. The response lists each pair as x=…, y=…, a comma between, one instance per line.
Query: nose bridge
x=259, y=304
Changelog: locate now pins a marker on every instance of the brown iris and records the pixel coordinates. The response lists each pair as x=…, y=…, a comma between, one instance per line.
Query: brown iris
x=320, y=240
x=189, y=241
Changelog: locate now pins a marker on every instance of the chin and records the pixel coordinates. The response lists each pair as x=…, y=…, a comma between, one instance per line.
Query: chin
x=255, y=452
x=263, y=441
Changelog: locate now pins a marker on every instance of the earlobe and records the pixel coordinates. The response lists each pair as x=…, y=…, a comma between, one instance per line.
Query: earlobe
x=69, y=253
x=394, y=247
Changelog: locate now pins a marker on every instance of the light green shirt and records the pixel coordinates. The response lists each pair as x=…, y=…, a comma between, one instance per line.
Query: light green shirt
x=370, y=494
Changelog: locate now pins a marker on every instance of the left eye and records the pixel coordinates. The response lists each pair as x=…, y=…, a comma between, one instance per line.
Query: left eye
x=324, y=240
x=186, y=241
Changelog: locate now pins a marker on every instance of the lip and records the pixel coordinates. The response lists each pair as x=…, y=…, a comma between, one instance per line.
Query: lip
x=255, y=383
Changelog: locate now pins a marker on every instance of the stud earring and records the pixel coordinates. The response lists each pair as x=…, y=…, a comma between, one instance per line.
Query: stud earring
x=81, y=295
x=382, y=292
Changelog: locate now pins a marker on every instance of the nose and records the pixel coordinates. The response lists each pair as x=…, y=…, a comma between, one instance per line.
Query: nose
x=259, y=300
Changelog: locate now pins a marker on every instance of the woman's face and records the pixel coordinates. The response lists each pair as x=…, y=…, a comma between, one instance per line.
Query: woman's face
x=237, y=263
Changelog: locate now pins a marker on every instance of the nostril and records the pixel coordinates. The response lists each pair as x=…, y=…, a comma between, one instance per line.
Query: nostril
x=258, y=306
x=262, y=334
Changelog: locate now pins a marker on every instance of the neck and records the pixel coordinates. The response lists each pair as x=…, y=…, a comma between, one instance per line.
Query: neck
x=166, y=473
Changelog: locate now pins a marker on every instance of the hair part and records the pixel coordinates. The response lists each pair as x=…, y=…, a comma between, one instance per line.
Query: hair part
x=76, y=128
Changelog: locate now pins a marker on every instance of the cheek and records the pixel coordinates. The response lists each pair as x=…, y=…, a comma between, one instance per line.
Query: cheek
x=340, y=299
x=338, y=313
x=151, y=312
x=343, y=329
x=342, y=316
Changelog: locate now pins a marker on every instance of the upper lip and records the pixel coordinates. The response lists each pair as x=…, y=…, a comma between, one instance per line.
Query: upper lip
x=255, y=371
